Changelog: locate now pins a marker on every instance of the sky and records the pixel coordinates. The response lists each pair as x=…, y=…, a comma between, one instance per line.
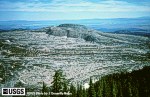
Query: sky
x=72, y=9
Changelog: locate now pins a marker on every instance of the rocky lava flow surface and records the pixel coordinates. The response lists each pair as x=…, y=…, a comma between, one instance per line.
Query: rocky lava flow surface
x=32, y=56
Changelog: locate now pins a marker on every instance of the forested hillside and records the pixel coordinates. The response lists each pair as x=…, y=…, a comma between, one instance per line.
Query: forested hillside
x=134, y=84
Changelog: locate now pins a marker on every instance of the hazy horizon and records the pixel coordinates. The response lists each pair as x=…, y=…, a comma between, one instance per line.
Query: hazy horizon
x=81, y=19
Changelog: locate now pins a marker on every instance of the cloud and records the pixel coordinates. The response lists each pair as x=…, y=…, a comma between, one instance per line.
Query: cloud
x=72, y=6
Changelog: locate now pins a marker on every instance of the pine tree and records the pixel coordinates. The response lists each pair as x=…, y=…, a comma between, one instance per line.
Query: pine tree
x=115, y=90
x=73, y=90
x=91, y=89
x=101, y=88
x=78, y=91
x=65, y=85
x=44, y=88
x=81, y=90
x=58, y=81
x=84, y=92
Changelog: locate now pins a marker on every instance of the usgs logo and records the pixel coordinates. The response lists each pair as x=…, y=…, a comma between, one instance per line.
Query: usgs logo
x=13, y=91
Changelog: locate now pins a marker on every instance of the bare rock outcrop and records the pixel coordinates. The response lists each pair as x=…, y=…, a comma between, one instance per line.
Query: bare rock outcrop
x=74, y=31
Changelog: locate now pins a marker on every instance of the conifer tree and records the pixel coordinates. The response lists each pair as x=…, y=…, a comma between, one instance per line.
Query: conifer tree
x=78, y=91
x=44, y=88
x=73, y=90
x=65, y=85
x=81, y=90
x=58, y=81
x=84, y=92
x=115, y=90
x=91, y=91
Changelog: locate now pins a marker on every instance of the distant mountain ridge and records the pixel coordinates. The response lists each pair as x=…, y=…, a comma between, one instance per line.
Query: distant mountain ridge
x=110, y=24
x=140, y=32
